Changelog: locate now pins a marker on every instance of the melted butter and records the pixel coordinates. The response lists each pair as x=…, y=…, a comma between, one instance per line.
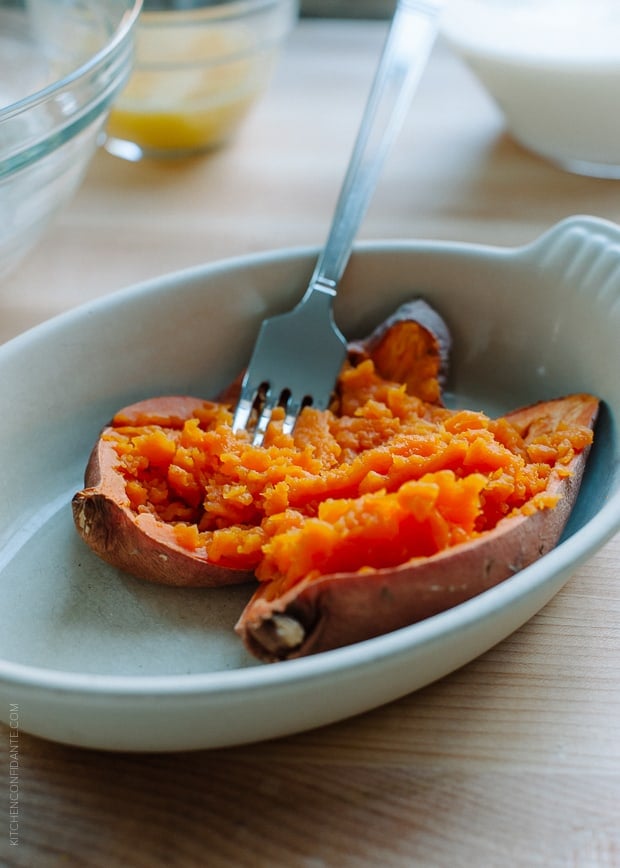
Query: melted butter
x=190, y=90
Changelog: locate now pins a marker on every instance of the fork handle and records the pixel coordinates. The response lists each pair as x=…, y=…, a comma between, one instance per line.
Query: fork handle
x=404, y=57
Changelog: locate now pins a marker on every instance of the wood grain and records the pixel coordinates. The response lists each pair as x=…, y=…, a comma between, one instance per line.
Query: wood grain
x=514, y=760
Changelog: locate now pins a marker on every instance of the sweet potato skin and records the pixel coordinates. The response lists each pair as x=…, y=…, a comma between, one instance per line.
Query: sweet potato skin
x=344, y=608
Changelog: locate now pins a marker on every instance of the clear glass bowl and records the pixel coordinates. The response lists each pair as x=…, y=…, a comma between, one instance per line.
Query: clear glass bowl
x=62, y=63
x=199, y=68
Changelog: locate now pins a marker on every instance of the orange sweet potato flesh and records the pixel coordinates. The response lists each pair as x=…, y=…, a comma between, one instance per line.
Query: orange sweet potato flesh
x=412, y=346
x=330, y=611
x=140, y=543
x=385, y=509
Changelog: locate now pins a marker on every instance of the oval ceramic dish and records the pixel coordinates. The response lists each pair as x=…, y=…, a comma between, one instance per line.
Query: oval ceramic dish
x=96, y=658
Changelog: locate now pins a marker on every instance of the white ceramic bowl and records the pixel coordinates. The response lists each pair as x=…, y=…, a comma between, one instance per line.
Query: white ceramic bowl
x=92, y=657
x=61, y=66
x=553, y=68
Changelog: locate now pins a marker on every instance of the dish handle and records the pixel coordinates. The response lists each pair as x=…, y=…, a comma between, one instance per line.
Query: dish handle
x=584, y=249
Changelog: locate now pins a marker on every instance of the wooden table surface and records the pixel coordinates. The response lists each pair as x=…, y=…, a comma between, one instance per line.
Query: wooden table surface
x=513, y=760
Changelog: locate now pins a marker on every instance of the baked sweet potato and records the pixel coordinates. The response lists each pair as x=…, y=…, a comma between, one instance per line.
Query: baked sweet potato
x=329, y=611
x=156, y=544
x=380, y=511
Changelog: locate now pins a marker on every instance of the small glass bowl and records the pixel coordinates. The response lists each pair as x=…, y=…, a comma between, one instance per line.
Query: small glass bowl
x=199, y=68
x=61, y=66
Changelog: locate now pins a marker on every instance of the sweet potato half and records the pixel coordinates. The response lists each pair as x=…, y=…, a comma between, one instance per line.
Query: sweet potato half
x=378, y=512
x=150, y=535
x=329, y=611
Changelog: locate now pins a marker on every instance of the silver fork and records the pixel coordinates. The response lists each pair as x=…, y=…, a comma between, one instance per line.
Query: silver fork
x=298, y=355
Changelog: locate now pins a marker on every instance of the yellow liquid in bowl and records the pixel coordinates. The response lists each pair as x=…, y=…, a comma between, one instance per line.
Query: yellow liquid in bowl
x=190, y=96
x=180, y=129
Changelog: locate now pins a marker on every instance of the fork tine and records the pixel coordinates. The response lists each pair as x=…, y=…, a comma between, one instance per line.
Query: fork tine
x=270, y=403
x=293, y=409
x=243, y=409
x=247, y=402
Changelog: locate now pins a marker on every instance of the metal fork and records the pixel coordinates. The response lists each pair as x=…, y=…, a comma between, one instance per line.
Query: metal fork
x=298, y=355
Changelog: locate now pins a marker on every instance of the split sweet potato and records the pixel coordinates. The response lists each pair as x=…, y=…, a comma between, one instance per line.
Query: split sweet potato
x=380, y=511
x=328, y=611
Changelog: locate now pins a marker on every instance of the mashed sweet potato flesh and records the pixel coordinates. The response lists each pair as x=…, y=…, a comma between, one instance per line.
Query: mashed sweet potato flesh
x=380, y=478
